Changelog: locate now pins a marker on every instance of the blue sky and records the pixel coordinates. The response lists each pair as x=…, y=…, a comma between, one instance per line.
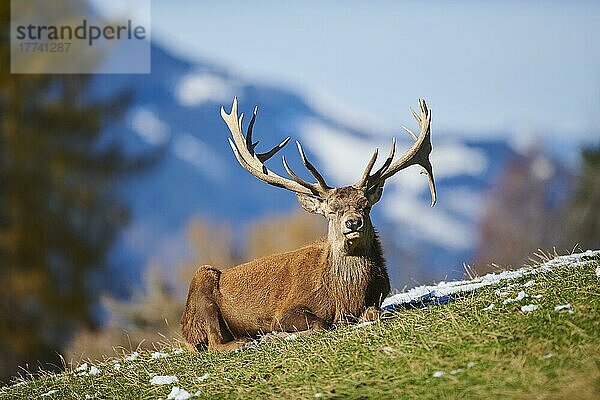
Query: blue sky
x=523, y=68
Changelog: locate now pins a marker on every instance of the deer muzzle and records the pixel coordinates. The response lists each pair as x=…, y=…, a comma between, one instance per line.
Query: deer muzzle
x=353, y=226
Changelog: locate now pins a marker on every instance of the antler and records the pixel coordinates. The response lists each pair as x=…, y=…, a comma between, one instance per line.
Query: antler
x=253, y=162
x=417, y=154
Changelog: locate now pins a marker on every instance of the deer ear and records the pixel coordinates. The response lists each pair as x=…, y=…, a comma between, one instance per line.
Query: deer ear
x=313, y=205
x=375, y=194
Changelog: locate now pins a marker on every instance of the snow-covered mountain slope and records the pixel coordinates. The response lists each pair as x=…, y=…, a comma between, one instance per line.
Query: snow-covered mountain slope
x=177, y=106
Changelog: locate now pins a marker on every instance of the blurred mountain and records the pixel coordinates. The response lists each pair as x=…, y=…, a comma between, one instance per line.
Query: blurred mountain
x=177, y=107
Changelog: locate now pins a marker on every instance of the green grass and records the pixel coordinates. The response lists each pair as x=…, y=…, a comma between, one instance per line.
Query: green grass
x=502, y=353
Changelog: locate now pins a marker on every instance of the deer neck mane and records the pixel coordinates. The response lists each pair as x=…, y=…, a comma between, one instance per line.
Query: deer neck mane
x=350, y=264
x=349, y=275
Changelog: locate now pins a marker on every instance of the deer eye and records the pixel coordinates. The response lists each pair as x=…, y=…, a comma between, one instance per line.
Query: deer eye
x=363, y=205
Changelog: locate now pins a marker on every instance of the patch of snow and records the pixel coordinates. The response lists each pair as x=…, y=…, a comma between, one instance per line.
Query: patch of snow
x=520, y=296
x=116, y=366
x=178, y=393
x=276, y=335
x=388, y=349
x=529, y=307
x=133, y=356
x=49, y=393
x=178, y=351
x=82, y=370
x=82, y=367
x=148, y=126
x=471, y=364
x=529, y=283
x=318, y=395
x=500, y=293
x=547, y=356
x=598, y=272
x=537, y=296
x=363, y=324
x=250, y=345
x=488, y=308
x=164, y=380
x=456, y=371
x=202, y=87
x=562, y=307
x=203, y=377
x=438, y=374
x=158, y=354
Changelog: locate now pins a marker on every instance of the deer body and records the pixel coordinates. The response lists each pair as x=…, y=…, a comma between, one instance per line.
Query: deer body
x=286, y=293
x=340, y=278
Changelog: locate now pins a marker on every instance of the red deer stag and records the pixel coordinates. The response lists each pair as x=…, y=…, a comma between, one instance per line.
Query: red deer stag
x=339, y=278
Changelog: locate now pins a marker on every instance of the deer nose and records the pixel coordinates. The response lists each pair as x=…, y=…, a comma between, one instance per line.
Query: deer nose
x=354, y=224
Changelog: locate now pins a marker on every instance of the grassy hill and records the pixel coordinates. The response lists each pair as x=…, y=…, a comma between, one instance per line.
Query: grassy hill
x=463, y=349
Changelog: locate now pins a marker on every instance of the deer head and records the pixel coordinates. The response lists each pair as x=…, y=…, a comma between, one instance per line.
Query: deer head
x=347, y=208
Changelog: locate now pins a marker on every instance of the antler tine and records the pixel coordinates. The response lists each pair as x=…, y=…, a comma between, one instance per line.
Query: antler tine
x=249, y=144
x=375, y=177
x=432, y=187
x=411, y=133
x=414, y=113
x=265, y=156
x=312, y=186
x=312, y=168
x=262, y=157
x=243, y=149
x=365, y=176
x=417, y=154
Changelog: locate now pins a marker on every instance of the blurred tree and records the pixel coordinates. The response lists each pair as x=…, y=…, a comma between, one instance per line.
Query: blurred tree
x=582, y=214
x=266, y=236
x=150, y=316
x=522, y=212
x=211, y=243
x=153, y=312
x=59, y=214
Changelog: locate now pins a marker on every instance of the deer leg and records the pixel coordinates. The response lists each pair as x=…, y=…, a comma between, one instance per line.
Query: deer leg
x=300, y=319
x=370, y=314
x=202, y=322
